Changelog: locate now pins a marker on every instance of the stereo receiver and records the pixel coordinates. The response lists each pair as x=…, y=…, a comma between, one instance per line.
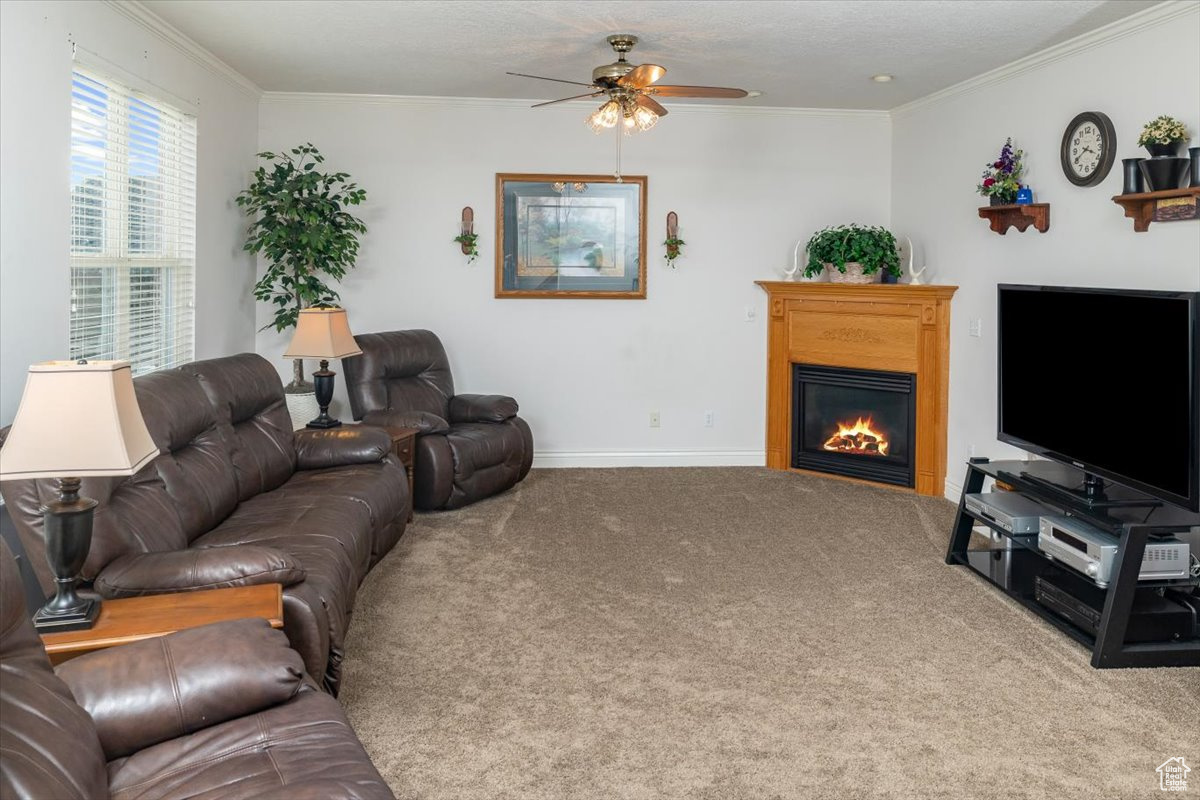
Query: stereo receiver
x=1087, y=549
x=1011, y=511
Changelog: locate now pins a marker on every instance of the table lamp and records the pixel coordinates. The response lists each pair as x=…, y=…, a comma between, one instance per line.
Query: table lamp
x=78, y=419
x=323, y=333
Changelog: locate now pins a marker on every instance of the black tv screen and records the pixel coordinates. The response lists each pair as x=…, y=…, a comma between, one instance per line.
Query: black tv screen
x=1106, y=380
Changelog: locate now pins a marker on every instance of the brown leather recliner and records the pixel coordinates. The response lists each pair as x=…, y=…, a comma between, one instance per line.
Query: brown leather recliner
x=220, y=711
x=470, y=446
x=237, y=498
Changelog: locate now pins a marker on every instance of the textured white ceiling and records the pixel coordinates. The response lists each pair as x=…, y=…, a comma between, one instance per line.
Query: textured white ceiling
x=815, y=54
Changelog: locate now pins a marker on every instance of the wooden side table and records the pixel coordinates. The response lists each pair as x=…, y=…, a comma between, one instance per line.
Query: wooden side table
x=132, y=619
x=404, y=445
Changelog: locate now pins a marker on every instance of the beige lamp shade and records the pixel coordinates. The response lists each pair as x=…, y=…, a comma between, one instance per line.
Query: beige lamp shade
x=322, y=333
x=77, y=420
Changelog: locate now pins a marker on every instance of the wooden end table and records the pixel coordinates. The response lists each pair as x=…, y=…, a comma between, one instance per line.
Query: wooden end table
x=404, y=445
x=132, y=619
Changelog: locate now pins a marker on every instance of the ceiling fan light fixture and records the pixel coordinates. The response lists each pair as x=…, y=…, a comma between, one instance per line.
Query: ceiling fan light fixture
x=643, y=119
x=604, y=117
x=882, y=78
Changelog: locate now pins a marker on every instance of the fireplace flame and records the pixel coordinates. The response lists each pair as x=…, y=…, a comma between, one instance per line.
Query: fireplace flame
x=859, y=438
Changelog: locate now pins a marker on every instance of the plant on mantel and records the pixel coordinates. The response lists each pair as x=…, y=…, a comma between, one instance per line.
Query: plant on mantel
x=872, y=247
x=302, y=229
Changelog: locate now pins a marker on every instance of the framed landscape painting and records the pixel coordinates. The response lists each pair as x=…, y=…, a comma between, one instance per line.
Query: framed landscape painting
x=577, y=236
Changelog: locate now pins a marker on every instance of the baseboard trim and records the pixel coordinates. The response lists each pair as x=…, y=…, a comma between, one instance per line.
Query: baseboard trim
x=953, y=491
x=555, y=459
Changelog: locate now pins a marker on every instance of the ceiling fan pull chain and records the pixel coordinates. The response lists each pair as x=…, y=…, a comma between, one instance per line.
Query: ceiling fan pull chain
x=617, y=174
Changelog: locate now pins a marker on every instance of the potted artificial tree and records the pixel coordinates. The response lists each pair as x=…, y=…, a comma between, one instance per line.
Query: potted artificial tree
x=302, y=229
x=853, y=254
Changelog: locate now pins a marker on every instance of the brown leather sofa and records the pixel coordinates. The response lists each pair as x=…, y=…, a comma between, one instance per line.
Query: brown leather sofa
x=470, y=446
x=220, y=711
x=235, y=498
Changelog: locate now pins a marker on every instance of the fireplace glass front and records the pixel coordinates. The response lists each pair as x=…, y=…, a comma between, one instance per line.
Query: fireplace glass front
x=854, y=422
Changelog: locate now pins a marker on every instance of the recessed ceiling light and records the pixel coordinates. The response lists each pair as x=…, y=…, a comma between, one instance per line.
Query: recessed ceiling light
x=754, y=93
x=881, y=78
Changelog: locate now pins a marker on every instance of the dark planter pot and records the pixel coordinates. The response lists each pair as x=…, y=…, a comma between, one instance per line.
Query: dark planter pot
x=1194, y=152
x=1164, y=174
x=1133, y=176
x=1163, y=150
x=1001, y=201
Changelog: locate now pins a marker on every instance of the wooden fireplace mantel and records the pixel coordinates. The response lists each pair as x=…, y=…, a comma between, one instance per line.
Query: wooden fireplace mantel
x=894, y=327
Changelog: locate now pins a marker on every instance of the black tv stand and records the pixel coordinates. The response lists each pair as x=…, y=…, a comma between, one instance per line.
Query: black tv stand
x=1133, y=519
x=1093, y=494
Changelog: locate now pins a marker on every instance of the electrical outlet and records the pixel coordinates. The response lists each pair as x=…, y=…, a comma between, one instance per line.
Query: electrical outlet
x=654, y=419
x=977, y=328
x=970, y=451
x=750, y=314
x=709, y=419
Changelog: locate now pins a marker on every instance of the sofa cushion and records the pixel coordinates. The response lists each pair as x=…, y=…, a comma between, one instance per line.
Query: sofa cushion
x=247, y=396
x=195, y=463
x=380, y=488
x=304, y=748
x=49, y=743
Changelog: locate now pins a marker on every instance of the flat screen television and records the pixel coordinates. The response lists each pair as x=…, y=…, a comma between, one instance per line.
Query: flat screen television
x=1106, y=380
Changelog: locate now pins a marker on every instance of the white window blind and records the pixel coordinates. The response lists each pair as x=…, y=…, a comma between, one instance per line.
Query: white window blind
x=133, y=226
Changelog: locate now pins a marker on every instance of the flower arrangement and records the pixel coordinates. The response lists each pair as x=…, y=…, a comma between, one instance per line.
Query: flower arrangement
x=469, y=242
x=871, y=246
x=1002, y=178
x=673, y=243
x=1163, y=130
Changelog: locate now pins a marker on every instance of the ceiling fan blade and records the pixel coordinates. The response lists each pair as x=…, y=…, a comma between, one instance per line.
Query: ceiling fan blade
x=643, y=75
x=653, y=105
x=695, y=91
x=565, y=99
x=540, y=78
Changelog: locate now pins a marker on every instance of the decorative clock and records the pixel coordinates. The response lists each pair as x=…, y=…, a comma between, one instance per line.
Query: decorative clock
x=1089, y=148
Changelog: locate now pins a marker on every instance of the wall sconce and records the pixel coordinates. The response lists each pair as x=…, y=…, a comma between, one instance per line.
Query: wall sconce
x=467, y=238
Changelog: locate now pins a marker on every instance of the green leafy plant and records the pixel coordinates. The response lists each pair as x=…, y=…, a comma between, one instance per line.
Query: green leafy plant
x=673, y=245
x=1163, y=130
x=302, y=229
x=871, y=246
x=469, y=241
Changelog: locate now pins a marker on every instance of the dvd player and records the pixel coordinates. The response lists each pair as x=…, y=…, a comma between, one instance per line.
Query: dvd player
x=1011, y=511
x=1153, y=617
x=1087, y=549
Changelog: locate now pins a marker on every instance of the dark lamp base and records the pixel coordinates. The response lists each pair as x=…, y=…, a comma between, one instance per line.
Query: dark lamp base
x=324, y=421
x=76, y=620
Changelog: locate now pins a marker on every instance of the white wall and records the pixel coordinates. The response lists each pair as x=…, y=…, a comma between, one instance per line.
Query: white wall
x=35, y=92
x=587, y=373
x=940, y=147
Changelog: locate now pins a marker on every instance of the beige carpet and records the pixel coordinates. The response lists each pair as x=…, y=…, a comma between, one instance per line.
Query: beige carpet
x=731, y=633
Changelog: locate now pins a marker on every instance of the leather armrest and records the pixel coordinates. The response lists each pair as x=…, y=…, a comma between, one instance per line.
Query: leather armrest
x=197, y=568
x=482, y=408
x=423, y=421
x=150, y=691
x=340, y=447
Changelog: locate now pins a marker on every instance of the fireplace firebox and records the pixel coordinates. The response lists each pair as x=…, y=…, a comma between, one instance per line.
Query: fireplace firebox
x=854, y=422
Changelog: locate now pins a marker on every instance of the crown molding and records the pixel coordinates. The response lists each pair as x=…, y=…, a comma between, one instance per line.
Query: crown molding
x=139, y=14
x=1126, y=26
x=431, y=101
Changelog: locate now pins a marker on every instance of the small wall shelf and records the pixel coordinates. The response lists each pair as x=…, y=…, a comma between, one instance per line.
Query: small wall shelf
x=1148, y=207
x=1001, y=218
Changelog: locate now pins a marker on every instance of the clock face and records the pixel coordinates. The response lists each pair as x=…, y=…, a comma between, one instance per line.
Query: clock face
x=1087, y=149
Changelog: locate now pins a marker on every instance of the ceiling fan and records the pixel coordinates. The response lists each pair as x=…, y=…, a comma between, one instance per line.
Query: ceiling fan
x=630, y=90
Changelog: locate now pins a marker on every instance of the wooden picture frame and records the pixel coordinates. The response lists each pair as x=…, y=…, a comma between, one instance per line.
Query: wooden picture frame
x=570, y=236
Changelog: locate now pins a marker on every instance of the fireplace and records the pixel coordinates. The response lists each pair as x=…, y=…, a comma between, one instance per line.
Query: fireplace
x=855, y=422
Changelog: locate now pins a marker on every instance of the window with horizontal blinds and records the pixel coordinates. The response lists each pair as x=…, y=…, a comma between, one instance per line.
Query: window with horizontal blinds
x=133, y=226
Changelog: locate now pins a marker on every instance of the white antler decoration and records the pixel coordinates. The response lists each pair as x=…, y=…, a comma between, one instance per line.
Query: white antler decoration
x=790, y=274
x=914, y=274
